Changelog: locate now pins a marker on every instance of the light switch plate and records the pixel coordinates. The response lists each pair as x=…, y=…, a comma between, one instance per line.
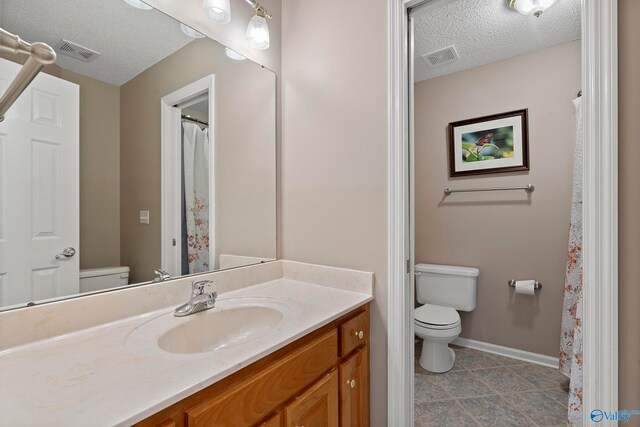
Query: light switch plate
x=144, y=217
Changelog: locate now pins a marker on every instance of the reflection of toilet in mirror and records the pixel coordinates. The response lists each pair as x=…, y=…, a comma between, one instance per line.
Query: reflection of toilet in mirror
x=100, y=279
x=442, y=289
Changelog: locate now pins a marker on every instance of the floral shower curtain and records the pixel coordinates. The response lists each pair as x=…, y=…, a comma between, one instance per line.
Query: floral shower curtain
x=571, y=335
x=196, y=194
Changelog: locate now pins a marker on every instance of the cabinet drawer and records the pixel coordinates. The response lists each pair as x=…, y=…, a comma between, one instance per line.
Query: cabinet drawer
x=354, y=390
x=252, y=400
x=317, y=407
x=353, y=333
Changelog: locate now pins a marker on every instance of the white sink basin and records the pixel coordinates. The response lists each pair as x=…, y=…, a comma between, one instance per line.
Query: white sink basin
x=218, y=329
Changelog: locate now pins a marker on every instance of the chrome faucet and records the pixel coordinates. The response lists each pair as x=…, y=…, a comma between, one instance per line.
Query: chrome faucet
x=200, y=300
x=161, y=275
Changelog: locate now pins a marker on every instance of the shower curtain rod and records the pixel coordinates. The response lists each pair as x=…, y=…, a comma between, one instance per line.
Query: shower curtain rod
x=200, y=122
x=40, y=54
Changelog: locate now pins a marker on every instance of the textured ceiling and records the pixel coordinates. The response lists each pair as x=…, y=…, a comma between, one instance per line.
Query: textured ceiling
x=486, y=31
x=129, y=40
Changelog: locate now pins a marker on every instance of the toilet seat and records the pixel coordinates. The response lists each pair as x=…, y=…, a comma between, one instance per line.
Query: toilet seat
x=431, y=316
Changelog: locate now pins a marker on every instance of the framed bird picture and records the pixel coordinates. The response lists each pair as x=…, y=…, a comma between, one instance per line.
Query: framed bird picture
x=490, y=144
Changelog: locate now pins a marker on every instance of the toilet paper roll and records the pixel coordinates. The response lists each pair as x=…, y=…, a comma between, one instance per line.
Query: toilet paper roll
x=525, y=287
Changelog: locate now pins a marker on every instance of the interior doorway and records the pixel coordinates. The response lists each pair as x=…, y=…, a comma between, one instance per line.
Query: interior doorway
x=599, y=62
x=188, y=179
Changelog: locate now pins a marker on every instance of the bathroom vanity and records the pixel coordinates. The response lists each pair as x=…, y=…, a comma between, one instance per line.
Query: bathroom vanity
x=286, y=344
x=320, y=379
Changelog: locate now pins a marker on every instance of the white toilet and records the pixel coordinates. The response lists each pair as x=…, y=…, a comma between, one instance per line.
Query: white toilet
x=442, y=289
x=98, y=279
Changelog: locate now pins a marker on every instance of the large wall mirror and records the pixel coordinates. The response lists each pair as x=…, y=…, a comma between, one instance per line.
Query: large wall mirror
x=146, y=152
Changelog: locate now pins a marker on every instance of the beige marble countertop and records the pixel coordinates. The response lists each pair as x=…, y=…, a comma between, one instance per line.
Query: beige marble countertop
x=116, y=374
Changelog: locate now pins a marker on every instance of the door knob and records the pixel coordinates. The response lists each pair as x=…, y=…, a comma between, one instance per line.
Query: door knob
x=351, y=383
x=66, y=253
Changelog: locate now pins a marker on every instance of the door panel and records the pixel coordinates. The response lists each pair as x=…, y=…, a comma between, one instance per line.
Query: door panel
x=39, y=190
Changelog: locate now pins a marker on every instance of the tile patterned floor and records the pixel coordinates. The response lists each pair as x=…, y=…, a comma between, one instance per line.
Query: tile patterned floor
x=484, y=389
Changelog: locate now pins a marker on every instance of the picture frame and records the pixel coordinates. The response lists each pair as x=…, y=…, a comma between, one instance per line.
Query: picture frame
x=497, y=143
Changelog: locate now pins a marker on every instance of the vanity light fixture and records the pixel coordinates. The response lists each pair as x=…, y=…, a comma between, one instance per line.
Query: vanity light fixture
x=233, y=54
x=191, y=32
x=138, y=4
x=218, y=10
x=531, y=7
x=258, y=29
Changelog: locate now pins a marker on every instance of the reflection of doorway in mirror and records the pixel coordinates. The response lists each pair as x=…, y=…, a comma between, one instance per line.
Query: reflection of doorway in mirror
x=39, y=191
x=195, y=189
x=188, y=193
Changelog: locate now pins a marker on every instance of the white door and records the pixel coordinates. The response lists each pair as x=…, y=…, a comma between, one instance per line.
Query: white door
x=39, y=190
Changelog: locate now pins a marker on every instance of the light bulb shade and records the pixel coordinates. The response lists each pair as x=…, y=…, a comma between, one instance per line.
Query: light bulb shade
x=218, y=10
x=138, y=4
x=258, y=33
x=191, y=32
x=233, y=54
x=531, y=7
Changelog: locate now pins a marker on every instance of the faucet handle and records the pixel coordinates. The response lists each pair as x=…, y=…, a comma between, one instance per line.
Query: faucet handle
x=161, y=275
x=197, y=288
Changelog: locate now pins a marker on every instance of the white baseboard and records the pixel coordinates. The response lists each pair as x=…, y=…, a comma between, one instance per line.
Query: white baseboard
x=527, y=356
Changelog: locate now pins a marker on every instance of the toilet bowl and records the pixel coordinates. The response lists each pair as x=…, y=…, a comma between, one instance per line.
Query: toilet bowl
x=442, y=289
x=437, y=326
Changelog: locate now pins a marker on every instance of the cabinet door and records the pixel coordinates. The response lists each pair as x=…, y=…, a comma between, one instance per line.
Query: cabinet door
x=354, y=390
x=317, y=407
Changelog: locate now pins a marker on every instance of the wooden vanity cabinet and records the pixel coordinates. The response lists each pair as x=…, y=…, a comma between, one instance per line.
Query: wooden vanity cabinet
x=320, y=380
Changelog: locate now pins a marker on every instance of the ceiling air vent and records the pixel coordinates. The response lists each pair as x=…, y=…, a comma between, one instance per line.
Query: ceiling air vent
x=75, y=51
x=441, y=57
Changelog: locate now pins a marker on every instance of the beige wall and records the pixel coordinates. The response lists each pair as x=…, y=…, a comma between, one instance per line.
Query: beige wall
x=245, y=154
x=245, y=162
x=99, y=171
x=334, y=150
x=506, y=235
x=629, y=176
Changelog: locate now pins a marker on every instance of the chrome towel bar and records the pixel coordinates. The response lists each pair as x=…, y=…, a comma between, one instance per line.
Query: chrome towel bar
x=528, y=188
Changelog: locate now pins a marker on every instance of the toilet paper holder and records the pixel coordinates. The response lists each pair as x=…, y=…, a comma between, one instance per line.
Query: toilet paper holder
x=536, y=286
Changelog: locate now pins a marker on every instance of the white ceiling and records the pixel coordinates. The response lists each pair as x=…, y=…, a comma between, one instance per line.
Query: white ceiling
x=129, y=40
x=486, y=31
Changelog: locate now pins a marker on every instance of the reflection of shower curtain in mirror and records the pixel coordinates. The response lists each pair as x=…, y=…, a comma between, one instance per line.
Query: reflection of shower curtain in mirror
x=571, y=337
x=196, y=196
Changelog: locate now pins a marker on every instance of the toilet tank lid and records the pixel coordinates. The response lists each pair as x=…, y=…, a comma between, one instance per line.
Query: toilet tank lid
x=452, y=270
x=102, y=271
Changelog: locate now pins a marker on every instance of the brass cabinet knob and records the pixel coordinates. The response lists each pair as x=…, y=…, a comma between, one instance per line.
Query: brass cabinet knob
x=351, y=383
x=359, y=334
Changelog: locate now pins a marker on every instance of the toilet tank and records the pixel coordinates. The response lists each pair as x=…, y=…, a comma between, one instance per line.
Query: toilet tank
x=98, y=279
x=447, y=285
